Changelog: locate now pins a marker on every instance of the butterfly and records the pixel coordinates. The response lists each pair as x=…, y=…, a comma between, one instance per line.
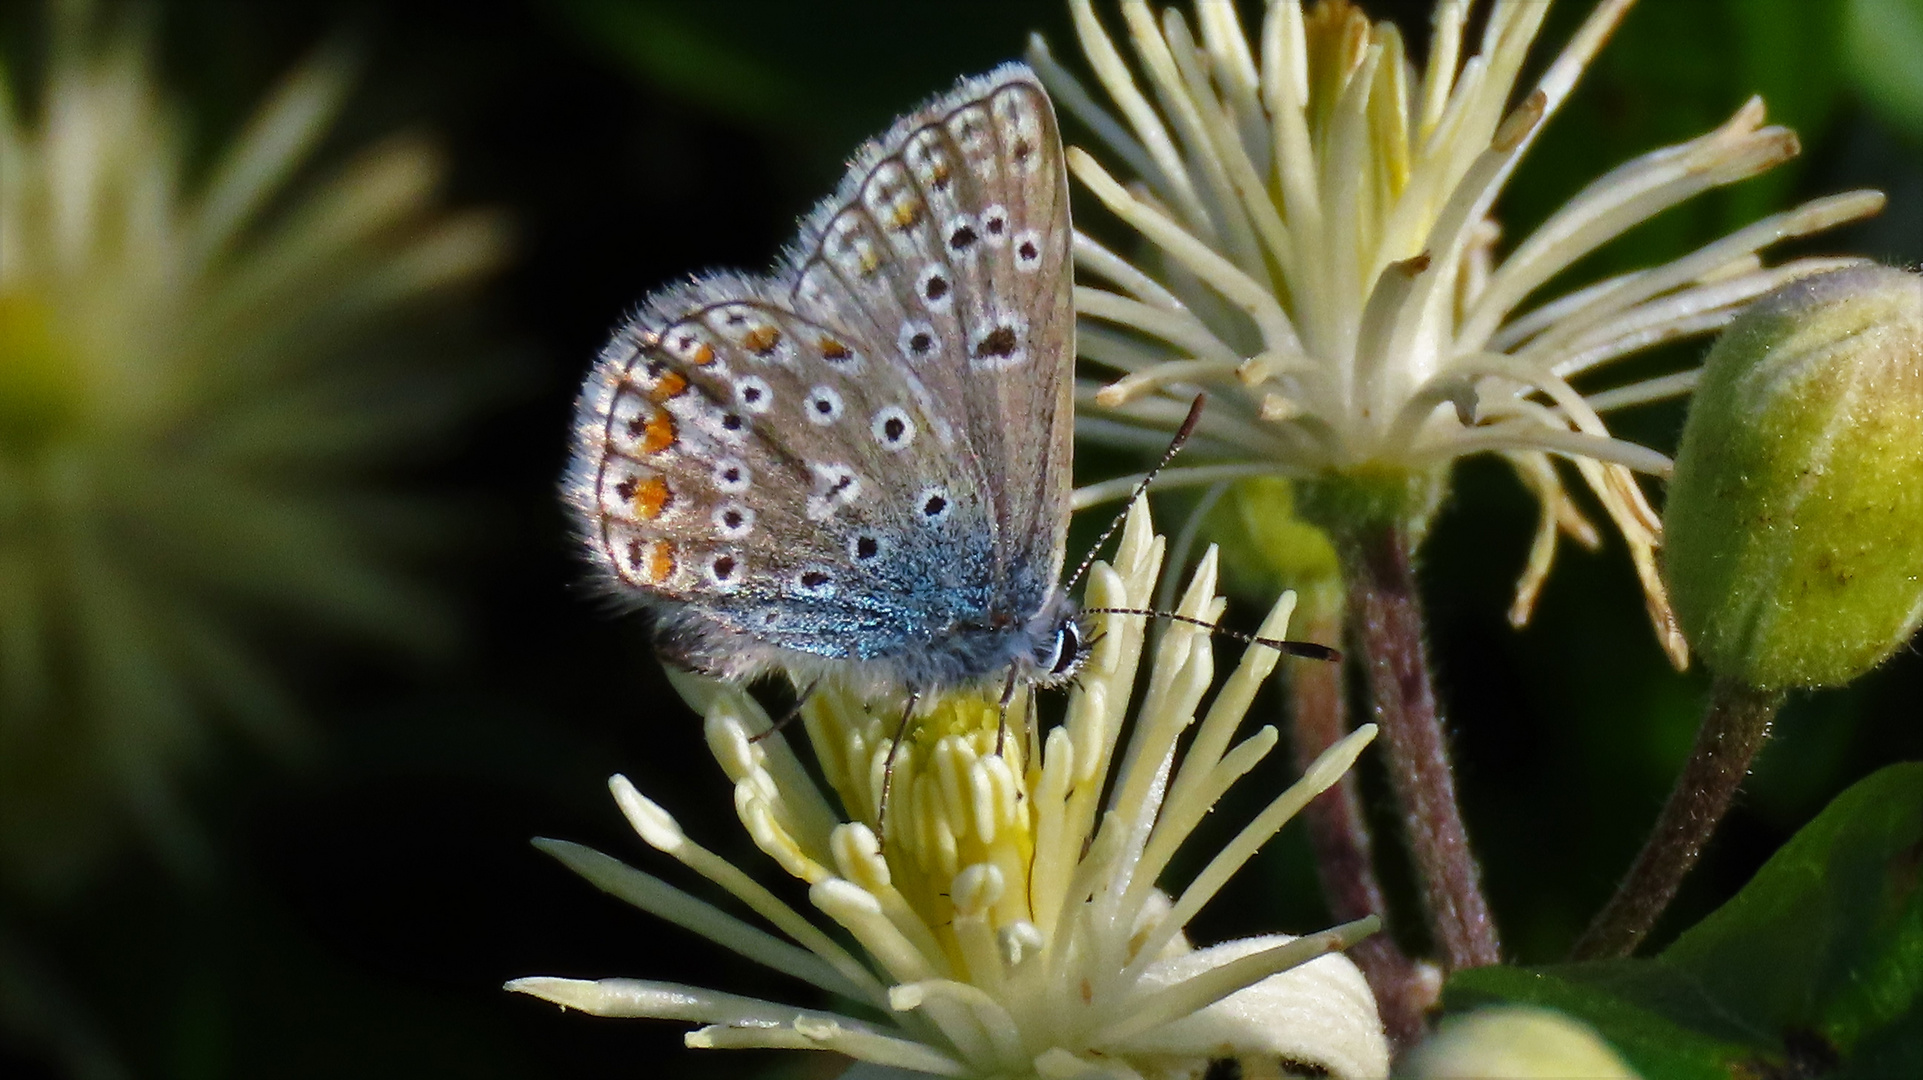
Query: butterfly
x=859, y=464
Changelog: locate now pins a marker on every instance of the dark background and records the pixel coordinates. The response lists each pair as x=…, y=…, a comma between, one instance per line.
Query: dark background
x=367, y=901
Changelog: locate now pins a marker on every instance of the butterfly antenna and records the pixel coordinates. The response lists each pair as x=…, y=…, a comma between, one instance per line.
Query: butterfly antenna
x=1174, y=447
x=1308, y=650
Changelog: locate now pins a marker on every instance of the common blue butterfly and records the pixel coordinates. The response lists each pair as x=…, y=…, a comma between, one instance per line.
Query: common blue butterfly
x=859, y=463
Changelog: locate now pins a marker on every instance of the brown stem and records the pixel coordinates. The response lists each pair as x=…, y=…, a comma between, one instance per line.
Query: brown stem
x=1338, y=831
x=1382, y=591
x=1734, y=728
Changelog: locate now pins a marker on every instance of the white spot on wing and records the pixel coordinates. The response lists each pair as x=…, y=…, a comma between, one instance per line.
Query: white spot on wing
x=733, y=521
x=935, y=288
x=893, y=428
x=823, y=406
x=731, y=475
x=934, y=504
x=1028, y=251
x=836, y=486
x=918, y=341
x=753, y=393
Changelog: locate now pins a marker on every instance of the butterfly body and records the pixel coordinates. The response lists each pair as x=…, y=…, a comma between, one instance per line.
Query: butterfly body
x=859, y=464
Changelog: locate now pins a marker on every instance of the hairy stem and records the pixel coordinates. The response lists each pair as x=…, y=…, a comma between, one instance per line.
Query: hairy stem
x=1388, y=614
x=1734, y=728
x=1339, y=832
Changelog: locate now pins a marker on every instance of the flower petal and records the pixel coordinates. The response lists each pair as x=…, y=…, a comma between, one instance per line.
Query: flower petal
x=1319, y=1014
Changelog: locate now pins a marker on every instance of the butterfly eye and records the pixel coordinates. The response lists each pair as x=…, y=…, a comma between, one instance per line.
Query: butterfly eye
x=835, y=486
x=728, y=426
x=999, y=348
x=815, y=582
x=1063, y=652
x=933, y=287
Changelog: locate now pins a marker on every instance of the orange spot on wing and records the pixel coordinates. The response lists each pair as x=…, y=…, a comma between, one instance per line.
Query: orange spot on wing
x=761, y=340
x=671, y=384
x=833, y=350
x=702, y=356
x=660, y=562
x=652, y=497
x=659, y=434
x=652, y=561
x=907, y=212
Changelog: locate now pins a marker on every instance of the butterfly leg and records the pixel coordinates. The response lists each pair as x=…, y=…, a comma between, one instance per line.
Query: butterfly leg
x=789, y=716
x=888, y=770
x=1008, y=695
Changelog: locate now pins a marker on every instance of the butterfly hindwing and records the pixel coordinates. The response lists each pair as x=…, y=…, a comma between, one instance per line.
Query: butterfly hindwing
x=769, y=482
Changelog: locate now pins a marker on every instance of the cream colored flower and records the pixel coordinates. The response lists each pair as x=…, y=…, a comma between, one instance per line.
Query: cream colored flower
x=197, y=376
x=1013, y=925
x=1320, y=254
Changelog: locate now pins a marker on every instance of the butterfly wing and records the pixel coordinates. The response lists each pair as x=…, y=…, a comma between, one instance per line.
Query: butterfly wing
x=952, y=239
x=818, y=466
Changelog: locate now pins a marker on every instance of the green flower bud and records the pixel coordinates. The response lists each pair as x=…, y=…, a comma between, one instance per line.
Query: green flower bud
x=1516, y=1043
x=1265, y=547
x=1794, y=528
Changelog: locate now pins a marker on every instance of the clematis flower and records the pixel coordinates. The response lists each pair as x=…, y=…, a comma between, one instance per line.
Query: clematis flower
x=199, y=372
x=1317, y=250
x=1012, y=924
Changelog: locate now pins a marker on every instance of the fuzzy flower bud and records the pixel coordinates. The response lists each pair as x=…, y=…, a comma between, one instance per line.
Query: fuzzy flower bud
x=1795, y=518
x=1517, y=1044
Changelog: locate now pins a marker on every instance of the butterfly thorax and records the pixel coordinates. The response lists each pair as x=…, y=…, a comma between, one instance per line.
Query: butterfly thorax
x=1044, y=648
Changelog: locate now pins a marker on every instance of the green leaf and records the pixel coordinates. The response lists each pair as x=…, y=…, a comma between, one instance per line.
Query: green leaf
x=1828, y=936
x=1814, y=970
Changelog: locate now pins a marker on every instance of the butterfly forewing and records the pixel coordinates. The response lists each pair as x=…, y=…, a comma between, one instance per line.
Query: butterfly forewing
x=868, y=452
x=955, y=244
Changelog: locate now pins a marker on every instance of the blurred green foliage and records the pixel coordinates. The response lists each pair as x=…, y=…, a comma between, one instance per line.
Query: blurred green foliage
x=1881, y=42
x=360, y=912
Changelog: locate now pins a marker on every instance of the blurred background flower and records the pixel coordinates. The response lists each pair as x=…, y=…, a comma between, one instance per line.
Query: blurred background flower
x=198, y=391
x=373, y=901
x=211, y=381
